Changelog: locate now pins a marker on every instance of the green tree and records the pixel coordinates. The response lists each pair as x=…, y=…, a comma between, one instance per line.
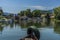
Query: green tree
x=21, y=13
x=11, y=15
x=26, y=12
x=29, y=13
x=57, y=27
x=57, y=13
x=1, y=11
x=36, y=13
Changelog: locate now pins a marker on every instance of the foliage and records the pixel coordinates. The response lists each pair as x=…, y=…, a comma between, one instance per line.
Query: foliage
x=36, y=13
x=57, y=27
x=1, y=11
x=57, y=13
x=29, y=13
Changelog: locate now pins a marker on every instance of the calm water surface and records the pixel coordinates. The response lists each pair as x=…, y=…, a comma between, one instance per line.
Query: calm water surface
x=48, y=30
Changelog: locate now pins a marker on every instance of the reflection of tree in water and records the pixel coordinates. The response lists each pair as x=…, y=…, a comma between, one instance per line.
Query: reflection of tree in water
x=38, y=25
x=28, y=24
x=47, y=19
x=47, y=22
x=2, y=25
x=11, y=25
x=1, y=29
x=25, y=24
x=57, y=27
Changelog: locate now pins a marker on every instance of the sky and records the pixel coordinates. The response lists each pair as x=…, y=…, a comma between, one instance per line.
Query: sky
x=15, y=6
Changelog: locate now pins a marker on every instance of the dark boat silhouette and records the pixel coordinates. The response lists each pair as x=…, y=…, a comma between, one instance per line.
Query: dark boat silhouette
x=32, y=34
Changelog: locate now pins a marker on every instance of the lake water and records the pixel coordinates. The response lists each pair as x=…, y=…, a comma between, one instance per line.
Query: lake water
x=48, y=30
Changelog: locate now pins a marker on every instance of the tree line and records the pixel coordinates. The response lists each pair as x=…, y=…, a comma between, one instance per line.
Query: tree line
x=34, y=13
x=57, y=13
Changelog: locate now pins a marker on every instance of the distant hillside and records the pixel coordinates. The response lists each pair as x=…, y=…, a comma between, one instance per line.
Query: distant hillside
x=51, y=10
x=45, y=11
x=6, y=13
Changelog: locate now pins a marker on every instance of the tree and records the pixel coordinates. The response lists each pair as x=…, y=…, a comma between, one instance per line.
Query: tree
x=29, y=13
x=26, y=12
x=57, y=13
x=21, y=13
x=11, y=15
x=1, y=11
x=36, y=13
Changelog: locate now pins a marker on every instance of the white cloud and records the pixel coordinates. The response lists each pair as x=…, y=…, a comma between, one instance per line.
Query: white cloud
x=40, y=7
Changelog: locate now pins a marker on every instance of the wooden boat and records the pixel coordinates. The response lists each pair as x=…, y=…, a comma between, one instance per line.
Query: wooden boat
x=33, y=34
x=29, y=38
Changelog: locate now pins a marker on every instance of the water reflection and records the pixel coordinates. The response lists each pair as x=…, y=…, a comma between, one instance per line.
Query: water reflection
x=11, y=25
x=1, y=29
x=2, y=25
x=57, y=27
x=25, y=24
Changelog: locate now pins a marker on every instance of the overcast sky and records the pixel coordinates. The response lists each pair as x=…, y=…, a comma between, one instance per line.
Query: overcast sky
x=15, y=6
